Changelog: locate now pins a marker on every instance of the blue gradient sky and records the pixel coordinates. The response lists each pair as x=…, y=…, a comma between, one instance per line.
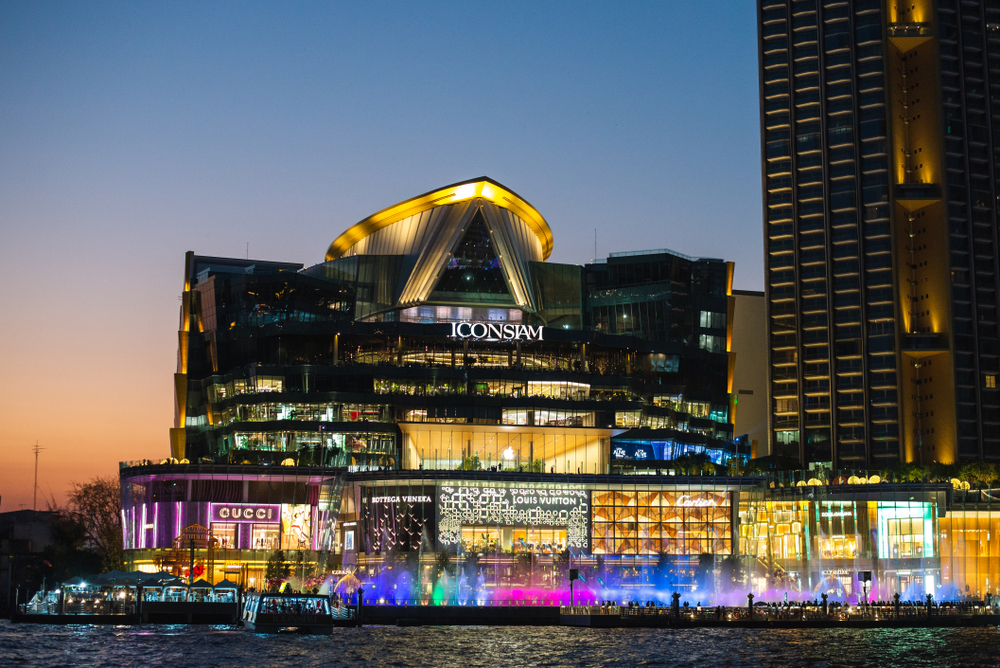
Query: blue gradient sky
x=132, y=132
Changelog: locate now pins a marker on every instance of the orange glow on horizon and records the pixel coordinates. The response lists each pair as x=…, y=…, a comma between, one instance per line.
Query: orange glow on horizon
x=91, y=400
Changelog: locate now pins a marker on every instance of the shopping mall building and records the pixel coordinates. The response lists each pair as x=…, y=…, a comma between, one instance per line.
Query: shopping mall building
x=438, y=410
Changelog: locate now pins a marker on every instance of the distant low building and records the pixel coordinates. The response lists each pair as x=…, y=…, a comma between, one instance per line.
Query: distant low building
x=24, y=536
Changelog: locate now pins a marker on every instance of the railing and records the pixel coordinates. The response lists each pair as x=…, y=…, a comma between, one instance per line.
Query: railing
x=908, y=30
x=790, y=612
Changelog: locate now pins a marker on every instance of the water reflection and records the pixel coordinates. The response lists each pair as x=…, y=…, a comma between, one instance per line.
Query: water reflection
x=50, y=646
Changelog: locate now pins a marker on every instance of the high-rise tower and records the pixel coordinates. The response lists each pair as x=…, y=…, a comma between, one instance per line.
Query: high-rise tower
x=880, y=124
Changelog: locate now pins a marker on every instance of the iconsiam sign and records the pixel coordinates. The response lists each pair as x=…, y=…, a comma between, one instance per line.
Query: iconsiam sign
x=488, y=331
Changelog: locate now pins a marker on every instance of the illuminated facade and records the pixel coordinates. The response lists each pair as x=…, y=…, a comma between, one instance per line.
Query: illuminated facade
x=880, y=165
x=439, y=413
x=517, y=530
x=513, y=535
x=435, y=339
x=914, y=539
x=233, y=518
x=435, y=336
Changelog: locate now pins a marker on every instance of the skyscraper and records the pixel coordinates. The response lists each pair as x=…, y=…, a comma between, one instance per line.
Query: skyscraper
x=880, y=159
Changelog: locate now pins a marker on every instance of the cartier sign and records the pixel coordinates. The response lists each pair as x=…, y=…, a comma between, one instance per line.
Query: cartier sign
x=688, y=501
x=488, y=331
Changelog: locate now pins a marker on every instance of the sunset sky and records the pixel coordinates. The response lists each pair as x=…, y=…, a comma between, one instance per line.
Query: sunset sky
x=133, y=132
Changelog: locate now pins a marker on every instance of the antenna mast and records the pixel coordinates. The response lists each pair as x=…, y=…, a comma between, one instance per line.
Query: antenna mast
x=34, y=499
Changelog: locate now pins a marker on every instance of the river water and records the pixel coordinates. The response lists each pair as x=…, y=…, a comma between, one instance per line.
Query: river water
x=222, y=647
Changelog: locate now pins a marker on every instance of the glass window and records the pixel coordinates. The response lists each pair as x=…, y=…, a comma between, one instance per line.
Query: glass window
x=905, y=529
x=710, y=320
x=677, y=522
x=474, y=266
x=225, y=535
x=713, y=344
x=628, y=419
x=264, y=537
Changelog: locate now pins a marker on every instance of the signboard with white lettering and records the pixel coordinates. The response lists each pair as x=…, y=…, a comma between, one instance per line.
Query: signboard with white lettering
x=394, y=518
x=405, y=498
x=490, y=331
x=698, y=500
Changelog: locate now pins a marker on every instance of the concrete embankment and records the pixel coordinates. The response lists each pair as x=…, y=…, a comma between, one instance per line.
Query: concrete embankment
x=471, y=615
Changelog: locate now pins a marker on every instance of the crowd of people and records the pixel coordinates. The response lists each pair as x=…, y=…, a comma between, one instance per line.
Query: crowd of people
x=294, y=606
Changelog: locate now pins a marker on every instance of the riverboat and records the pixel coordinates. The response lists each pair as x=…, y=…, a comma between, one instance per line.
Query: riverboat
x=284, y=613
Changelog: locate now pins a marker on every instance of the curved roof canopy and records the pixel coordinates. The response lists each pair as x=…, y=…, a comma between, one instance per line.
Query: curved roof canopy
x=483, y=187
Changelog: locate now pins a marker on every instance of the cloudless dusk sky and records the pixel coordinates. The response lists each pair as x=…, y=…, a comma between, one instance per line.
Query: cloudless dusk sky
x=132, y=132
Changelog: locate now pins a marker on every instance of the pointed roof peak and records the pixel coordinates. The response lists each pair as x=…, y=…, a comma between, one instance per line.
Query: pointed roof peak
x=474, y=266
x=482, y=186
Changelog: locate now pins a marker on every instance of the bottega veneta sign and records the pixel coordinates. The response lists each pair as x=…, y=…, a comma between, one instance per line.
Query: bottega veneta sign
x=484, y=331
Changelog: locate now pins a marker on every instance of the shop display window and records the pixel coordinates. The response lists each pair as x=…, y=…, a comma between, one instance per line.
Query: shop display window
x=906, y=538
x=838, y=547
x=776, y=531
x=514, y=539
x=676, y=523
x=837, y=530
x=539, y=540
x=264, y=537
x=906, y=530
x=296, y=526
x=226, y=535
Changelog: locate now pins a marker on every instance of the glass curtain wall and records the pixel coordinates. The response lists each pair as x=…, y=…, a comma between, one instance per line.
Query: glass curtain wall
x=234, y=521
x=484, y=448
x=518, y=538
x=970, y=81
x=909, y=547
x=828, y=244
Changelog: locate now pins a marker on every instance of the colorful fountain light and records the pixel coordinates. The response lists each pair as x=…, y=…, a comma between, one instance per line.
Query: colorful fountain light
x=469, y=584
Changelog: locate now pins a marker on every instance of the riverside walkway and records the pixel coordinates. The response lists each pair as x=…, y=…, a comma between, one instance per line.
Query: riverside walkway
x=789, y=615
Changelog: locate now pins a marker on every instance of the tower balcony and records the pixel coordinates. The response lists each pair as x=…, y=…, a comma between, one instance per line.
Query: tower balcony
x=913, y=196
x=924, y=344
x=909, y=30
x=906, y=36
